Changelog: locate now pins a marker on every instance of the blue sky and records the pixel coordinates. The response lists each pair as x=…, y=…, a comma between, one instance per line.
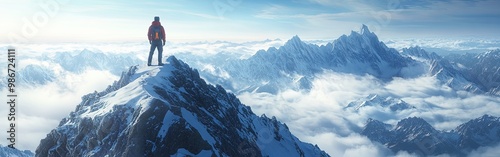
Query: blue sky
x=240, y=20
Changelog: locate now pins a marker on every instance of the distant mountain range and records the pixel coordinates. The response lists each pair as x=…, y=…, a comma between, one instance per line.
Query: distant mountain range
x=63, y=63
x=415, y=135
x=295, y=64
x=483, y=69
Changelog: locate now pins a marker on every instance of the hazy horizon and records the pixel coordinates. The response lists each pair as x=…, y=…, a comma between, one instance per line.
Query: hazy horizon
x=118, y=21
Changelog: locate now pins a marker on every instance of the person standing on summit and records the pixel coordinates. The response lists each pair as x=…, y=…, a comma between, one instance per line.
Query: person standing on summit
x=156, y=34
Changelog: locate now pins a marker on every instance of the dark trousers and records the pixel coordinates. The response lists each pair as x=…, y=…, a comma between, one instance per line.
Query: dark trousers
x=155, y=44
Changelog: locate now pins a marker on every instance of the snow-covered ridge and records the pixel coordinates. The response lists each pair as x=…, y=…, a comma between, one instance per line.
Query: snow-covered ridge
x=169, y=110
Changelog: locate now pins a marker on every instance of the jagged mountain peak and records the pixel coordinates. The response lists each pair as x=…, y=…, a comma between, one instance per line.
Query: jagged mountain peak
x=410, y=121
x=374, y=100
x=365, y=47
x=414, y=124
x=295, y=38
x=295, y=42
x=364, y=30
x=169, y=110
x=478, y=123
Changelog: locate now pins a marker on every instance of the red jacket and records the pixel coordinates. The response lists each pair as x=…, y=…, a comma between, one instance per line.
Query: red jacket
x=162, y=31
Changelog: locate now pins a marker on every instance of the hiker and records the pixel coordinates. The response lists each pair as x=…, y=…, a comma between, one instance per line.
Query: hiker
x=156, y=35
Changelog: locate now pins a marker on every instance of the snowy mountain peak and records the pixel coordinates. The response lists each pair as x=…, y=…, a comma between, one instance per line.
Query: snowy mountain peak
x=169, y=111
x=374, y=100
x=364, y=30
x=413, y=124
x=294, y=42
x=366, y=50
x=295, y=38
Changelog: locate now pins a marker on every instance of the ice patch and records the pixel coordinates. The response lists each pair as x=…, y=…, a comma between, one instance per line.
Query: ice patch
x=168, y=120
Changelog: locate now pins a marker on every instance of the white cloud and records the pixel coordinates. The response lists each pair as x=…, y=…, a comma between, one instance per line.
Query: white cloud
x=350, y=145
x=241, y=50
x=319, y=116
x=492, y=151
x=40, y=109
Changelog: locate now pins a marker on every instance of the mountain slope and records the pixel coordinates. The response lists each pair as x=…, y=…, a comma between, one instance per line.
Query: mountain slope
x=441, y=68
x=415, y=135
x=479, y=132
x=483, y=69
x=169, y=110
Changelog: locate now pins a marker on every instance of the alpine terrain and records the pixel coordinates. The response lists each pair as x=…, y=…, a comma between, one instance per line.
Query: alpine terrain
x=296, y=63
x=415, y=135
x=169, y=111
x=482, y=68
x=9, y=152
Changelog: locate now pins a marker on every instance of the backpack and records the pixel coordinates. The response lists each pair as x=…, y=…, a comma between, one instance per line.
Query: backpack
x=156, y=32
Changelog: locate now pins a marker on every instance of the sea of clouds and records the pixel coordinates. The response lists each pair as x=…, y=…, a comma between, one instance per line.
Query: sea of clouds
x=317, y=116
